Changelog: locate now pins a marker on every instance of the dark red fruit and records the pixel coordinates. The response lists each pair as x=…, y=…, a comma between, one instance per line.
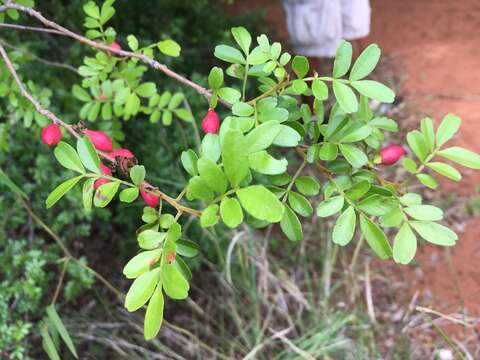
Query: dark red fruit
x=391, y=154
x=51, y=135
x=115, y=46
x=99, y=139
x=210, y=122
x=105, y=170
x=123, y=153
x=100, y=182
x=150, y=199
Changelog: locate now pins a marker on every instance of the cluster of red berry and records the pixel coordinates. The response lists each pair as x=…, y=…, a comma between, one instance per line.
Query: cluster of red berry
x=51, y=136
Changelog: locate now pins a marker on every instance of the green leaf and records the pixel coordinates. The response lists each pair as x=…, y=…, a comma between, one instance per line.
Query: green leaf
x=132, y=42
x=141, y=263
x=80, y=93
x=242, y=109
x=377, y=205
x=343, y=59
x=262, y=136
x=445, y=170
x=319, y=89
x=410, y=199
x=300, y=66
x=174, y=284
x=210, y=147
x=345, y=96
x=424, y=212
x=68, y=157
x=357, y=190
x=141, y=290
x=60, y=327
x=91, y=9
x=264, y=163
x=132, y=105
x=461, y=156
x=154, y=314
x=215, y=78
x=291, y=226
x=146, y=90
x=209, y=216
x=287, y=137
x=48, y=344
x=87, y=194
x=353, y=155
x=150, y=239
x=344, y=227
x=404, y=245
x=234, y=156
x=418, y=145
x=137, y=174
x=428, y=181
x=212, y=175
x=169, y=47
x=307, y=185
x=355, y=133
x=376, y=238
x=434, y=233
x=366, y=62
x=229, y=94
x=231, y=212
x=243, y=38
x=189, y=161
x=261, y=203
x=426, y=125
x=384, y=123
x=229, y=54
x=448, y=128
x=187, y=248
x=374, y=90
x=105, y=194
x=61, y=190
x=331, y=206
x=300, y=204
x=410, y=165
x=328, y=152
x=198, y=189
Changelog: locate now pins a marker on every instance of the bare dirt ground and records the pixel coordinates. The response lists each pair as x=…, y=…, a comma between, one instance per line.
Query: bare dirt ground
x=436, y=44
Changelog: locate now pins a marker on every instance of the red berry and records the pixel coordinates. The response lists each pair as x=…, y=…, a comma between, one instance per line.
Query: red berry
x=102, y=98
x=99, y=139
x=391, y=154
x=170, y=256
x=210, y=122
x=122, y=153
x=150, y=199
x=100, y=182
x=51, y=135
x=105, y=170
x=115, y=46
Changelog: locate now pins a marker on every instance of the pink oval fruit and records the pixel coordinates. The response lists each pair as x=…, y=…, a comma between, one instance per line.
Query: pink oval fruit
x=391, y=154
x=150, y=199
x=210, y=122
x=51, y=135
x=100, y=182
x=122, y=152
x=99, y=139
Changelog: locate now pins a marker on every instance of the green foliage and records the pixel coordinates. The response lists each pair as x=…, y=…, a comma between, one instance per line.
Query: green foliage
x=238, y=175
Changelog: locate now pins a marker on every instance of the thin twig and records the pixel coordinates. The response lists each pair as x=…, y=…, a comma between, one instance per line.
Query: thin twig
x=145, y=59
x=30, y=28
x=49, y=115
